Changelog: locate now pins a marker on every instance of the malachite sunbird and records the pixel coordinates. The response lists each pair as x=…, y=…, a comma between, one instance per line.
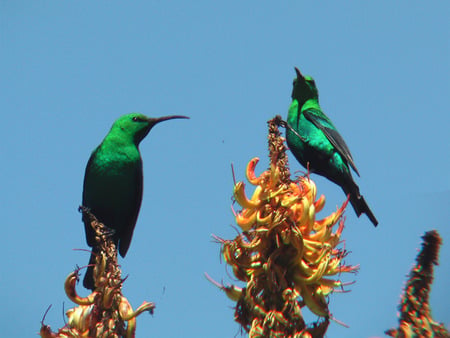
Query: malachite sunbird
x=113, y=182
x=317, y=145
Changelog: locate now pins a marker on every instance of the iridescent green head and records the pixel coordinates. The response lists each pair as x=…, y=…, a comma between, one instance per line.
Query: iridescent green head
x=304, y=88
x=136, y=126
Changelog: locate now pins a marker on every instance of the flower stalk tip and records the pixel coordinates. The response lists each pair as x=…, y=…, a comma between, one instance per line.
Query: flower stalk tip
x=415, y=318
x=105, y=312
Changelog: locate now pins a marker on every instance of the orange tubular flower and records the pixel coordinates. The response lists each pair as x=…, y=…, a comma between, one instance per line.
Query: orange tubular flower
x=105, y=312
x=284, y=254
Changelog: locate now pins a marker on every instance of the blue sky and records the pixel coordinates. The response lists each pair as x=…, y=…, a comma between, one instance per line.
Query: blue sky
x=70, y=68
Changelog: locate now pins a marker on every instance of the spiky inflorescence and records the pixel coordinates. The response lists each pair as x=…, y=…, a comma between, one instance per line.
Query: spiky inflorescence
x=284, y=255
x=105, y=312
x=415, y=314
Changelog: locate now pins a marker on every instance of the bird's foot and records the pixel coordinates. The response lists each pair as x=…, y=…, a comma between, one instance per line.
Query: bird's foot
x=279, y=122
x=84, y=210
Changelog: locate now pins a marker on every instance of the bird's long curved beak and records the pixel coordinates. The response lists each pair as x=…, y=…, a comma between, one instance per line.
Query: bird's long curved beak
x=299, y=75
x=156, y=120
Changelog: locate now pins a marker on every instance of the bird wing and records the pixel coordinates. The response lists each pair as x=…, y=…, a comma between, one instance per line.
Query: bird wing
x=321, y=121
x=131, y=219
x=90, y=233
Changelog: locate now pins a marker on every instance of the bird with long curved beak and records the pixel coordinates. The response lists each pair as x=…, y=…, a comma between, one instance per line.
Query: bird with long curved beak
x=113, y=182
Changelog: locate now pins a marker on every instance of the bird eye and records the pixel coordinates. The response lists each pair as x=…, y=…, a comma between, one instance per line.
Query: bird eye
x=135, y=119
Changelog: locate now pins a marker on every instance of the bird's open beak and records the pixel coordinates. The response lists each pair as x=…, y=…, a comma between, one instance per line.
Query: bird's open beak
x=165, y=118
x=299, y=75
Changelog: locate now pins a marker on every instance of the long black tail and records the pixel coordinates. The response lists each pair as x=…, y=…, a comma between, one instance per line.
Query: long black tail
x=358, y=202
x=88, y=281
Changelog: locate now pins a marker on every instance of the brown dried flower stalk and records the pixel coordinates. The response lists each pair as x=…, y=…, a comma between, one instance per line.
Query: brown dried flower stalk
x=284, y=255
x=105, y=312
x=415, y=313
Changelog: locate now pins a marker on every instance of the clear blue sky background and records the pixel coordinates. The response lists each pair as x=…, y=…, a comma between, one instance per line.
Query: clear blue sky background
x=70, y=68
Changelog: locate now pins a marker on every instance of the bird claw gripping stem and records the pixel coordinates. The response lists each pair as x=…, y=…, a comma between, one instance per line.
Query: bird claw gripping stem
x=105, y=312
x=279, y=122
x=87, y=214
x=285, y=256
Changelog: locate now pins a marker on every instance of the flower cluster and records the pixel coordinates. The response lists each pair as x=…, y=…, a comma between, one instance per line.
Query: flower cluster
x=284, y=254
x=415, y=313
x=105, y=312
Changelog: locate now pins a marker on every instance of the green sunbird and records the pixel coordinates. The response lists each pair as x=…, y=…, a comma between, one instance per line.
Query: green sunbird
x=318, y=146
x=113, y=182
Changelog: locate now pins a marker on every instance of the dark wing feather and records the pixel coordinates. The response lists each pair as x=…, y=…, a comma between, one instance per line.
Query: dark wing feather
x=90, y=233
x=127, y=233
x=322, y=122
